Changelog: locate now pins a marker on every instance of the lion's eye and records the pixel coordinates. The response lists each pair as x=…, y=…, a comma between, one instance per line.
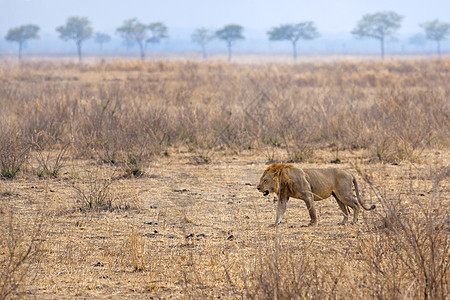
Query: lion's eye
x=265, y=180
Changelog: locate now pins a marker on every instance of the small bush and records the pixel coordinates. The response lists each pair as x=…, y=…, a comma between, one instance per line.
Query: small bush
x=14, y=152
x=50, y=155
x=133, y=165
x=94, y=194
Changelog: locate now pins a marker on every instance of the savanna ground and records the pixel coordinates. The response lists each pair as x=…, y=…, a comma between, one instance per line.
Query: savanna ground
x=138, y=180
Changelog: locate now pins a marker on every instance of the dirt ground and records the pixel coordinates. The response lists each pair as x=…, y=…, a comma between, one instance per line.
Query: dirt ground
x=187, y=229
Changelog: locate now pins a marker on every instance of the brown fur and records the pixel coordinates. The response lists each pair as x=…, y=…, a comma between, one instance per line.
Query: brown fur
x=311, y=185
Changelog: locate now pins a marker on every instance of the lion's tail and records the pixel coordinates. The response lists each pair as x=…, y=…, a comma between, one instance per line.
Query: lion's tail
x=359, y=198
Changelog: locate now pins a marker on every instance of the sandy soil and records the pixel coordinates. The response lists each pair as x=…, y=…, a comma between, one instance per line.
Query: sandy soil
x=184, y=229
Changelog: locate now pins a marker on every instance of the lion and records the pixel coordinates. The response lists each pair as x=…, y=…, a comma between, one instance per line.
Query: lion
x=311, y=185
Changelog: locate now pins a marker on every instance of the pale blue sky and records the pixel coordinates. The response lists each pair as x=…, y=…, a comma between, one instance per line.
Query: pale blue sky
x=330, y=16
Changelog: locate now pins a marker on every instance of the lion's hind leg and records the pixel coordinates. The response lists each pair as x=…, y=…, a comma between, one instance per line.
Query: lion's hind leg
x=355, y=207
x=344, y=209
x=350, y=201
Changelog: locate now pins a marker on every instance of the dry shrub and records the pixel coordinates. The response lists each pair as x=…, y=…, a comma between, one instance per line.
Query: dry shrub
x=99, y=191
x=120, y=133
x=405, y=125
x=95, y=194
x=14, y=151
x=281, y=274
x=19, y=252
x=50, y=154
x=407, y=254
x=94, y=191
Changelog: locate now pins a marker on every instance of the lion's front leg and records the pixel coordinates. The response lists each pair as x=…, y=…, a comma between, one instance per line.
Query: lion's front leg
x=311, y=209
x=281, y=209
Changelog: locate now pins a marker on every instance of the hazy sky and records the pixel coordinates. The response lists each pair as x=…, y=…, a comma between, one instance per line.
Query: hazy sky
x=330, y=16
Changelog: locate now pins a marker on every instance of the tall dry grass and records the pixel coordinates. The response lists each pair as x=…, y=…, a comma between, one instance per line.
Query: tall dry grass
x=126, y=112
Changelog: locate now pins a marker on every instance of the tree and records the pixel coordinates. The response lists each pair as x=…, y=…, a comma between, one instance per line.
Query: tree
x=158, y=31
x=102, y=38
x=77, y=29
x=379, y=26
x=437, y=31
x=22, y=34
x=202, y=36
x=292, y=33
x=230, y=34
x=134, y=31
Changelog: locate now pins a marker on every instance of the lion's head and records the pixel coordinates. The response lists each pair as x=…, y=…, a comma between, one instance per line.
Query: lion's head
x=269, y=182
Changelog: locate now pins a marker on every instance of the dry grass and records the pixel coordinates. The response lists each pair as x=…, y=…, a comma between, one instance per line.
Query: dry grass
x=141, y=178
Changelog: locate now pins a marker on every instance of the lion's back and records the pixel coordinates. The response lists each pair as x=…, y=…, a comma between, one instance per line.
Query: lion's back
x=327, y=178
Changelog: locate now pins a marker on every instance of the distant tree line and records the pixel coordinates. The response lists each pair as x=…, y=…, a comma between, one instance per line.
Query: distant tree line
x=379, y=26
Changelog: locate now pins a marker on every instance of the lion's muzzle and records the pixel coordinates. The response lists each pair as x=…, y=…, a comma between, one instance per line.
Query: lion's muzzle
x=265, y=193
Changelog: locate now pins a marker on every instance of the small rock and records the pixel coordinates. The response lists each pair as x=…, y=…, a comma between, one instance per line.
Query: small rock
x=151, y=223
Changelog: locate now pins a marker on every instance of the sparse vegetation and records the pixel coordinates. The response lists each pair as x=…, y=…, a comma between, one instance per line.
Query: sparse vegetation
x=144, y=176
